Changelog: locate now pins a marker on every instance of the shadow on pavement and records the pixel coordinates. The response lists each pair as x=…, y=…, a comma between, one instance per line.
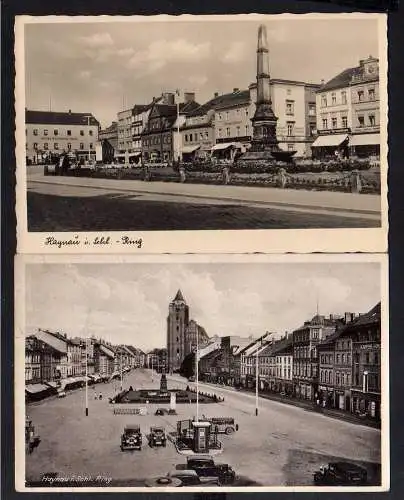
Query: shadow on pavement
x=301, y=465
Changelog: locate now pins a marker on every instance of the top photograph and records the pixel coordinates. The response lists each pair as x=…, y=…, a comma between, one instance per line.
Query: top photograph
x=203, y=123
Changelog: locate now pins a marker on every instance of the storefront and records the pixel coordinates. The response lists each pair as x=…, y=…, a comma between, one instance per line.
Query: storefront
x=226, y=151
x=330, y=146
x=366, y=404
x=365, y=145
x=189, y=153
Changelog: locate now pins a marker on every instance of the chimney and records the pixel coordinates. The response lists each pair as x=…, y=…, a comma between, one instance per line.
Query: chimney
x=235, y=90
x=70, y=111
x=189, y=97
x=322, y=81
x=349, y=317
x=216, y=94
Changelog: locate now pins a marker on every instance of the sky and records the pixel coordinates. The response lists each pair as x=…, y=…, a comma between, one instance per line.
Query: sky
x=128, y=303
x=102, y=68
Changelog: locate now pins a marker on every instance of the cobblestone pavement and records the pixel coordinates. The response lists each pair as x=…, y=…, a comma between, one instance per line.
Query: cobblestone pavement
x=281, y=446
x=75, y=208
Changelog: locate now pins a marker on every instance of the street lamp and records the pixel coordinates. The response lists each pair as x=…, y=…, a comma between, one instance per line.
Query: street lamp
x=88, y=125
x=121, y=369
x=256, y=382
x=197, y=376
x=86, y=377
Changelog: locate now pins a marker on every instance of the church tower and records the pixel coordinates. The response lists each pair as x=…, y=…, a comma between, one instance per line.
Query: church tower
x=177, y=323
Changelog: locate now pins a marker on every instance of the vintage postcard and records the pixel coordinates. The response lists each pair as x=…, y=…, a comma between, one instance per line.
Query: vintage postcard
x=207, y=134
x=208, y=373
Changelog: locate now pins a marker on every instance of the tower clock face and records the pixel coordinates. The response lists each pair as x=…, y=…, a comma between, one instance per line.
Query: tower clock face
x=371, y=69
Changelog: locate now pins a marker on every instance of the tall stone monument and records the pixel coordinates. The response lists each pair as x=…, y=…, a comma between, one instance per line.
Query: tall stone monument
x=264, y=144
x=163, y=383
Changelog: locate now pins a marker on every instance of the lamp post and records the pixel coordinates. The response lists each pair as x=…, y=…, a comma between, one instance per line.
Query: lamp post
x=121, y=369
x=256, y=381
x=197, y=376
x=86, y=413
x=178, y=127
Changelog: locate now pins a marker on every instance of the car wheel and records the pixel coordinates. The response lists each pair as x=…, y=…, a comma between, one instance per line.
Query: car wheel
x=229, y=430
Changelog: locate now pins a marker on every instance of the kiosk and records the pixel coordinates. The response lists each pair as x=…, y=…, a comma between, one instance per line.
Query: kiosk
x=201, y=431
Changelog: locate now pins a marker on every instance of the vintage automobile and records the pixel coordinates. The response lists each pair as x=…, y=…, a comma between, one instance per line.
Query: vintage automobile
x=205, y=467
x=161, y=411
x=61, y=394
x=340, y=474
x=189, y=477
x=191, y=379
x=222, y=425
x=131, y=438
x=157, y=437
x=171, y=411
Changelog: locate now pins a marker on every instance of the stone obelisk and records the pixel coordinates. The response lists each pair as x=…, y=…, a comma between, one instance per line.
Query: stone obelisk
x=264, y=120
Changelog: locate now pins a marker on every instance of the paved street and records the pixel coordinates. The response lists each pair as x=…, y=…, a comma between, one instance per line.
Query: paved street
x=75, y=204
x=282, y=446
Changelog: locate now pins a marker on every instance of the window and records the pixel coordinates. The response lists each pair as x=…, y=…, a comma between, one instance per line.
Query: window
x=201, y=135
x=372, y=120
x=220, y=132
x=312, y=128
x=324, y=123
x=220, y=116
x=324, y=101
x=343, y=358
x=247, y=131
x=246, y=112
x=56, y=145
x=35, y=131
x=337, y=378
x=290, y=107
x=371, y=93
x=334, y=122
x=186, y=137
x=291, y=147
x=35, y=145
x=45, y=132
x=238, y=131
x=45, y=146
x=376, y=358
x=333, y=98
x=344, y=121
x=227, y=115
x=290, y=126
x=56, y=132
x=91, y=145
x=190, y=137
x=312, y=109
x=228, y=131
x=360, y=95
x=81, y=132
x=343, y=97
x=90, y=132
x=206, y=135
x=69, y=145
x=81, y=145
x=361, y=121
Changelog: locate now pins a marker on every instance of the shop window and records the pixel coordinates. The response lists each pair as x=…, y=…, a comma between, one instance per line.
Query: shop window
x=56, y=132
x=324, y=123
x=344, y=121
x=361, y=121
x=45, y=146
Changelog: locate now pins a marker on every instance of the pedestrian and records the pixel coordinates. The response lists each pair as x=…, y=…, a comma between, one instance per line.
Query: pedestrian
x=100, y=397
x=95, y=395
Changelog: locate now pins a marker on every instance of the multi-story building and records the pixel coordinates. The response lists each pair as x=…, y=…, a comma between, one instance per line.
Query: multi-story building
x=57, y=132
x=365, y=337
x=305, y=354
x=365, y=101
x=104, y=357
x=125, y=146
x=248, y=360
x=194, y=332
x=140, y=117
x=282, y=353
x=348, y=113
x=108, y=139
x=61, y=344
x=33, y=354
x=177, y=323
x=161, y=139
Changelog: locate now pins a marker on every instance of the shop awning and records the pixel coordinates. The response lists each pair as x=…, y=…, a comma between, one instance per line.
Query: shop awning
x=190, y=149
x=36, y=388
x=329, y=140
x=365, y=140
x=223, y=145
x=134, y=155
x=55, y=385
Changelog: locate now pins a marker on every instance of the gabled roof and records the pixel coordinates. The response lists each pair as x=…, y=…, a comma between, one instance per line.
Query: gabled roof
x=370, y=318
x=59, y=118
x=342, y=80
x=222, y=101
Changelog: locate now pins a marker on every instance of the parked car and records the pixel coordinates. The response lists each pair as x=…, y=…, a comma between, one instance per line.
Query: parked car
x=171, y=411
x=157, y=437
x=341, y=474
x=205, y=467
x=131, y=438
x=189, y=477
x=191, y=379
x=161, y=411
x=61, y=394
x=222, y=425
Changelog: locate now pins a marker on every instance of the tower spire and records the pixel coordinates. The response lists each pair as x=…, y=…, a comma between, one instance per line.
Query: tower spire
x=179, y=296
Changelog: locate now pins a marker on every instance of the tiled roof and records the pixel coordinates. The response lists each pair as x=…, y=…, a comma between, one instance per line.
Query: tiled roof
x=369, y=318
x=343, y=79
x=58, y=118
x=222, y=101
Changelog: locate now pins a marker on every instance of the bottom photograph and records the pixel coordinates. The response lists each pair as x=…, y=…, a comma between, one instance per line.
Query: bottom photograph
x=238, y=373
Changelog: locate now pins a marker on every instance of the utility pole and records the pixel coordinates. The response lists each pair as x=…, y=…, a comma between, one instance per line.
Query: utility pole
x=256, y=381
x=197, y=376
x=86, y=377
x=121, y=369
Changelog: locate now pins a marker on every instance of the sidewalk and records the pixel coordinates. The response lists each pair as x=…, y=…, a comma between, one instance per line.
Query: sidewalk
x=304, y=404
x=367, y=206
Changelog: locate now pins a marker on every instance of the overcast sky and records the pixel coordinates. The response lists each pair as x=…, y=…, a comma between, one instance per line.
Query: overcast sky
x=128, y=303
x=103, y=67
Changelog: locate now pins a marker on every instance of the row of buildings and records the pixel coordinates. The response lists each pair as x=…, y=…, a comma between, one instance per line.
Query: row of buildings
x=340, y=117
x=334, y=361
x=52, y=356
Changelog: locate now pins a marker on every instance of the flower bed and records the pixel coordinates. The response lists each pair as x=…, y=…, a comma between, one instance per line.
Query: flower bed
x=162, y=173
x=254, y=179
x=204, y=177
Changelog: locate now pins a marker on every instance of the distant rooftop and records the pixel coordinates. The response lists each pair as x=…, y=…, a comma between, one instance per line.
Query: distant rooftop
x=59, y=118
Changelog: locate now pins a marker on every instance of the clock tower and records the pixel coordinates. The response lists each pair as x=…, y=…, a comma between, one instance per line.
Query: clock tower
x=177, y=323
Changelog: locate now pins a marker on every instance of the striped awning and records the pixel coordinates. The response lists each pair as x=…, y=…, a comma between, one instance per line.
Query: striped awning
x=329, y=140
x=190, y=149
x=365, y=140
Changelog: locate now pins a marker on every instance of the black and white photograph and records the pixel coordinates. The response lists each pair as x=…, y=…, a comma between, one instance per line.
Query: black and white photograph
x=227, y=373
x=202, y=123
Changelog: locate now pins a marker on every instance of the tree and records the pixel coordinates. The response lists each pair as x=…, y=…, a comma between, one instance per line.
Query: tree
x=188, y=366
